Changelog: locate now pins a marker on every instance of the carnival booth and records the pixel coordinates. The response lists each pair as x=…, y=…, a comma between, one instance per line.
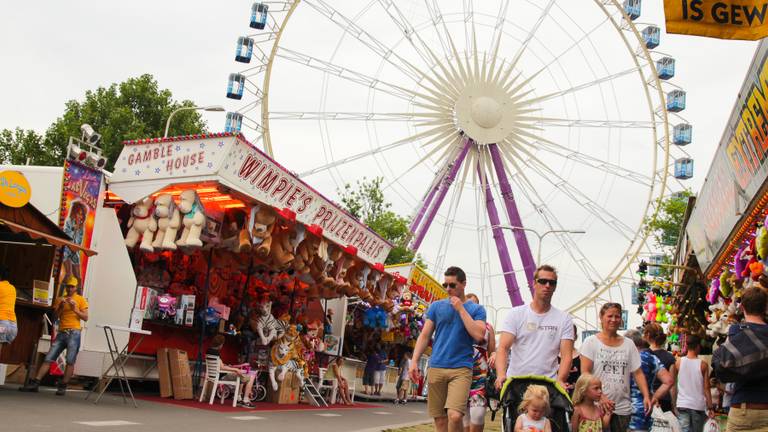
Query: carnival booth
x=224, y=240
x=391, y=326
x=29, y=243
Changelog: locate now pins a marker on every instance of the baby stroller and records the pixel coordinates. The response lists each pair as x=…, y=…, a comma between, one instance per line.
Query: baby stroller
x=561, y=407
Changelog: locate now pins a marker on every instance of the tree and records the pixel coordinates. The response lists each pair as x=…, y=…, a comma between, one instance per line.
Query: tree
x=665, y=229
x=366, y=202
x=135, y=108
x=20, y=146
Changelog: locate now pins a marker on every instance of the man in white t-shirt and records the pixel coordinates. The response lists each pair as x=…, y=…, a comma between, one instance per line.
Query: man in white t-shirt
x=534, y=335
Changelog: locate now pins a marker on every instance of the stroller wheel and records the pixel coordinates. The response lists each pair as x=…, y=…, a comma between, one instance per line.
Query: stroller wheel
x=259, y=393
x=223, y=392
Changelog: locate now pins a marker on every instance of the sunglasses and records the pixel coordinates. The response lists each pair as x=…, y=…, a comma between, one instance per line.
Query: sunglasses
x=550, y=282
x=449, y=285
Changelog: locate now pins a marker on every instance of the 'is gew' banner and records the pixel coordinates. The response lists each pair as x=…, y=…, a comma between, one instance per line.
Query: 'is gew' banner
x=80, y=193
x=729, y=19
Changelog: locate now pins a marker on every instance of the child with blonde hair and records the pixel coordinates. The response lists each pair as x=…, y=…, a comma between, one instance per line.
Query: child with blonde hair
x=534, y=407
x=587, y=415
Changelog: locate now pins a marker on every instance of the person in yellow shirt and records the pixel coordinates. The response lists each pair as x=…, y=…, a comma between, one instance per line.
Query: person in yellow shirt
x=70, y=309
x=8, y=328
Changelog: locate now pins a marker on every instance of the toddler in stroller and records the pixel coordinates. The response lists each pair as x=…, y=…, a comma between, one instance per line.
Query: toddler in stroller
x=560, y=404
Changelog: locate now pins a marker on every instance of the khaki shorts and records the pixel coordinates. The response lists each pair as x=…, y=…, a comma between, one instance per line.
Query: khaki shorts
x=448, y=389
x=405, y=385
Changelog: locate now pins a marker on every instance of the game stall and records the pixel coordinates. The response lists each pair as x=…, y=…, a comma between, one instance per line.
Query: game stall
x=224, y=240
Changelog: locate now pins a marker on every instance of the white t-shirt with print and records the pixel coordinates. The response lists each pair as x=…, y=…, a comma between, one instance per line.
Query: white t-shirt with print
x=614, y=366
x=537, y=340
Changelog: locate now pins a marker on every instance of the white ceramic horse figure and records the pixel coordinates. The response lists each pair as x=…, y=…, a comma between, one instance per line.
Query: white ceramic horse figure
x=284, y=357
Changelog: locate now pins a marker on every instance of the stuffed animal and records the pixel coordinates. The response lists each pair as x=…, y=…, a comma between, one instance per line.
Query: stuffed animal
x=141, y=224
x=756, y=269
x=281, y=251
x=307, y=250
x=761, y=243
x=261, y=223
x=193, y=220
x=168, y=222
x=267, y=326
x=235, y=235
x=650, y=307
x=739, y=263
x=726, y=289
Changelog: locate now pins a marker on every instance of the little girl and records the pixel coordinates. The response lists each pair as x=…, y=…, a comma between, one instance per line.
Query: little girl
x=533, y=408
x=587, y=415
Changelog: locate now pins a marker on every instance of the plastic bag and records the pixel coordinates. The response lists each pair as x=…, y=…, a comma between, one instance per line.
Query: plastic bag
x=664, y=421
x=711, y=426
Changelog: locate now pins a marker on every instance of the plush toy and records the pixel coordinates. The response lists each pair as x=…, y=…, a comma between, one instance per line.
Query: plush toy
x=193, y=220
x=267, y=326
x=761, y=243
x=234, y=234
x=739, y=263
x=281, y=252
x=168, y=222
x=262, y=221
x=286, y=356
x=650, y=307
x=726, y=289
x=141, y=224
x=756, y=269
x=307, y=249
x=714, y=291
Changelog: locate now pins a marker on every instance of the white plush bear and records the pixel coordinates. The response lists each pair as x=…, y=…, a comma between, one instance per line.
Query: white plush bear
x=193, y=219
x=141, y=224
x=168, y=222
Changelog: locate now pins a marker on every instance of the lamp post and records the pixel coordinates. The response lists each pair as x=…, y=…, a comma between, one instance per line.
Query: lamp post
x=217, y=108
x=540, y=236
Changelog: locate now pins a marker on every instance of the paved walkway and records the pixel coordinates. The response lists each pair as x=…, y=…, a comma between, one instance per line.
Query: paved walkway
x=22, y=412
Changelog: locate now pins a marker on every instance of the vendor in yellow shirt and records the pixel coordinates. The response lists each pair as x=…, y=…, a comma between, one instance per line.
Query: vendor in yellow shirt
x=8, y=327
x=70, y=309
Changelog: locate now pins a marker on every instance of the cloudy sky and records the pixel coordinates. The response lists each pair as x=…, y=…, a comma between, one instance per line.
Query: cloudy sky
x=55, y=51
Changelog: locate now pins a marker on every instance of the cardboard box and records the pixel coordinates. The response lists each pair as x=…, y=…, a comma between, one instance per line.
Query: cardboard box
x=164, y=373
x=288, y=391
x=188, y=304
x=178, y=319
x=146, y=298
x=181, y=375
x=137, y=319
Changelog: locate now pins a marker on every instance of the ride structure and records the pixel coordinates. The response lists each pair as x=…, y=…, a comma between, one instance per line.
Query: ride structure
x=550, y=111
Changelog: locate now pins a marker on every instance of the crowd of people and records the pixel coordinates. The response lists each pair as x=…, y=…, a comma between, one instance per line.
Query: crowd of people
x=615, y=381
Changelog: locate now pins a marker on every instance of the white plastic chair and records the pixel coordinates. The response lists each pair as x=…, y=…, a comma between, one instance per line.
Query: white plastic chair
x=212, y=373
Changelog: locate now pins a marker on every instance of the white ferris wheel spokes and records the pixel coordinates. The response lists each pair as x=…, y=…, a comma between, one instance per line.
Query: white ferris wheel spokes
x=552, y=110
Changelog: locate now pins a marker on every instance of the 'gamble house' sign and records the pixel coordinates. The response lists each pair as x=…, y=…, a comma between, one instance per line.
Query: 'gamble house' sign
x=146, y=166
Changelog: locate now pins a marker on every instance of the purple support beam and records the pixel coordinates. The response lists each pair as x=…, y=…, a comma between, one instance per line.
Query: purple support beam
x=529, y=265
x=441, y=193
x=425, y=204
x=501, y=244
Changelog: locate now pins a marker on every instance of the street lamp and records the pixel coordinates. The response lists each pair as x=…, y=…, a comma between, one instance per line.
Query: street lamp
x=540, y=236
x=217, y=108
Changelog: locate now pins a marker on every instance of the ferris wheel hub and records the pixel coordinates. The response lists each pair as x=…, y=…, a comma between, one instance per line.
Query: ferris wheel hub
x=486, y=112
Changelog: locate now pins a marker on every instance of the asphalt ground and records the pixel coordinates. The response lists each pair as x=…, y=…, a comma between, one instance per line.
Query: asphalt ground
x=44, y=411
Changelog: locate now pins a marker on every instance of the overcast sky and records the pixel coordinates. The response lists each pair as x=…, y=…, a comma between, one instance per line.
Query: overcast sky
x=53, y=51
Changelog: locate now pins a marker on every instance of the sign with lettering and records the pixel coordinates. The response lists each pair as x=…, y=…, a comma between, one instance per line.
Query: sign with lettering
x=420, y=282
x=729, y=19
x=14, y=189
x=738, y=169
x=146, y=166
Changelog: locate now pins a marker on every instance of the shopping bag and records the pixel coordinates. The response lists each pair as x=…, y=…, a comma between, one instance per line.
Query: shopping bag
x=663, y=421
x=711, y=426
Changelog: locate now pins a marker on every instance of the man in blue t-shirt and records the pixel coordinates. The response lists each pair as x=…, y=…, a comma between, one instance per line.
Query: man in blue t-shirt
x=456, y=326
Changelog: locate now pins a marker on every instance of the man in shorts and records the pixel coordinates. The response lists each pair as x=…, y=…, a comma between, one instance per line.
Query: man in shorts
x=533, y=335
x=70, y=309
x=456, y=326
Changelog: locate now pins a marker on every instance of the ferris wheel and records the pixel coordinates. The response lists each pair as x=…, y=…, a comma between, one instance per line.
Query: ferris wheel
x=492, y=124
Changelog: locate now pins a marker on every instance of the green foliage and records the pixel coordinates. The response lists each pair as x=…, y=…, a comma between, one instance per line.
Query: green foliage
x=20, y=146
x=366, y=202
x=135, y=108
x=665, y=229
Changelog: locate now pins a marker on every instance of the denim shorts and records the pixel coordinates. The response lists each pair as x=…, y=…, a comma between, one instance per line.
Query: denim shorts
x=8, y=331
x=65, y=340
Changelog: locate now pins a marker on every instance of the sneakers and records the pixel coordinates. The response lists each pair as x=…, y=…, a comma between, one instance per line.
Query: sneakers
x=32, y=387
x=246, y=404
x=61, y=390
x=396, y=401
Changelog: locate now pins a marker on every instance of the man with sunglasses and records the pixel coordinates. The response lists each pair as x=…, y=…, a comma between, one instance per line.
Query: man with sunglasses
x=456, y=326
x=533, y=335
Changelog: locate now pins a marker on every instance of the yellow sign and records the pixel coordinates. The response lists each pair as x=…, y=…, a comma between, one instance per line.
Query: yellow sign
x=729, y=19
x=421, y=278
x=14, y=189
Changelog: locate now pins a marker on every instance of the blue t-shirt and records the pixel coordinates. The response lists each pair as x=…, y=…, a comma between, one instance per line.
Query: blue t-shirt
x=650, y=365
x=372, y=365
x=753, y=390
x=452, y=346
